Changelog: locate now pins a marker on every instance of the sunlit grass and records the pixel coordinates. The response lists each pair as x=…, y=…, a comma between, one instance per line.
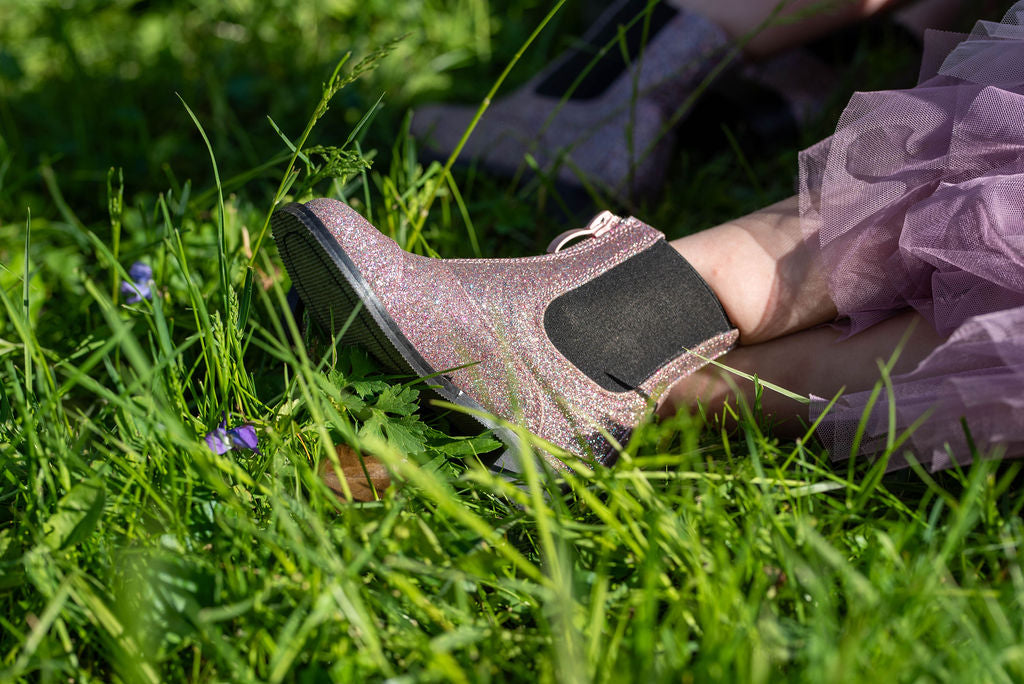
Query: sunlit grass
x=129, y=551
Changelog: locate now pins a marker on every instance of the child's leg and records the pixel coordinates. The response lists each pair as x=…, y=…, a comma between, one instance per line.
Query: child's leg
x=769, y=279
x=766, y=274
x=794, y=22
x=807, y=362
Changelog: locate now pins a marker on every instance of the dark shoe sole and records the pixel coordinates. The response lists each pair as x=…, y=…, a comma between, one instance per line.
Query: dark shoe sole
x=337, y=294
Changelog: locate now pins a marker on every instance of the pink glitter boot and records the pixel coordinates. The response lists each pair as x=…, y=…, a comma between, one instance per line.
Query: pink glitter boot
x=575, y=345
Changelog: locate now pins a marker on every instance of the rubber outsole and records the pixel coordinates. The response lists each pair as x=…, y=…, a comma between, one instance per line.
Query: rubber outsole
x=340, y=299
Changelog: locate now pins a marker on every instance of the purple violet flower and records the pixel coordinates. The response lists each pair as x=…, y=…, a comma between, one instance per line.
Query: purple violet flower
x=223, y=439
x=140, y=285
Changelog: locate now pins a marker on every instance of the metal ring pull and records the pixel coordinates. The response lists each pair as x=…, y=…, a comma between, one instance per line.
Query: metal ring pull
x=598, y=226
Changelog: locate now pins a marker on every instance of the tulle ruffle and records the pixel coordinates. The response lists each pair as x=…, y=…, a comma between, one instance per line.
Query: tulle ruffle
x=917, y=201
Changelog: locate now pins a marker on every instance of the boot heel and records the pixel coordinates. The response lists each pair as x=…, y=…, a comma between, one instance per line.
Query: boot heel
x=329, y=286
x=339, y=299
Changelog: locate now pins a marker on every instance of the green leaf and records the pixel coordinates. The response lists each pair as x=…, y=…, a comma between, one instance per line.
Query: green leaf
x=354, y=371
x=406, y=435
x=471, y=446
x=401, y=401
x=350, y=401
x=76, y=516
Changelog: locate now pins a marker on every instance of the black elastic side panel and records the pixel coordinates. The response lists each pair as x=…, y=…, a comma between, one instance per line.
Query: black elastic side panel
x=625, y=324
x=608, y=68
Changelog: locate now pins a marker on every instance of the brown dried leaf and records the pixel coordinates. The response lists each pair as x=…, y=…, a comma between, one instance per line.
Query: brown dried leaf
x=354, y=475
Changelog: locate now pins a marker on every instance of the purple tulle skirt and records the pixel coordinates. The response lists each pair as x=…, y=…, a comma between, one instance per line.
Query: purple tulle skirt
x=917, y=202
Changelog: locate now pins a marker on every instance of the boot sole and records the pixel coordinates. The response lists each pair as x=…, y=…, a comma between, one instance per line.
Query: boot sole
x=333, y=288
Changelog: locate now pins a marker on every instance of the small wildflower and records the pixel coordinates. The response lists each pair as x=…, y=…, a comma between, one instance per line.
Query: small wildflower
x=223, y=439
x=140, y=285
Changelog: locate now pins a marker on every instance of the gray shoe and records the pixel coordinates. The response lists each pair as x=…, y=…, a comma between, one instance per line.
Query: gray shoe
x=612, y=134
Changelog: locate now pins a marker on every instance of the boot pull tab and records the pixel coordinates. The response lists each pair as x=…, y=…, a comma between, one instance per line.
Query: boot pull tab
x=598, y=226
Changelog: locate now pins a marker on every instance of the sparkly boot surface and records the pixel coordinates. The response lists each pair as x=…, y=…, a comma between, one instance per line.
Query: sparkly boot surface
x=499, y=333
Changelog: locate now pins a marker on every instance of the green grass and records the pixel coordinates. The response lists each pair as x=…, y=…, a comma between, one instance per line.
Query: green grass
x=130, y=552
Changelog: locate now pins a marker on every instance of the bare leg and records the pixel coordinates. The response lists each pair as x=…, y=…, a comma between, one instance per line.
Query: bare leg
x=766, y=274
x=926, y=14
x=946, y=14
x=770, y=281
x=808, y=362
x=773, y=25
